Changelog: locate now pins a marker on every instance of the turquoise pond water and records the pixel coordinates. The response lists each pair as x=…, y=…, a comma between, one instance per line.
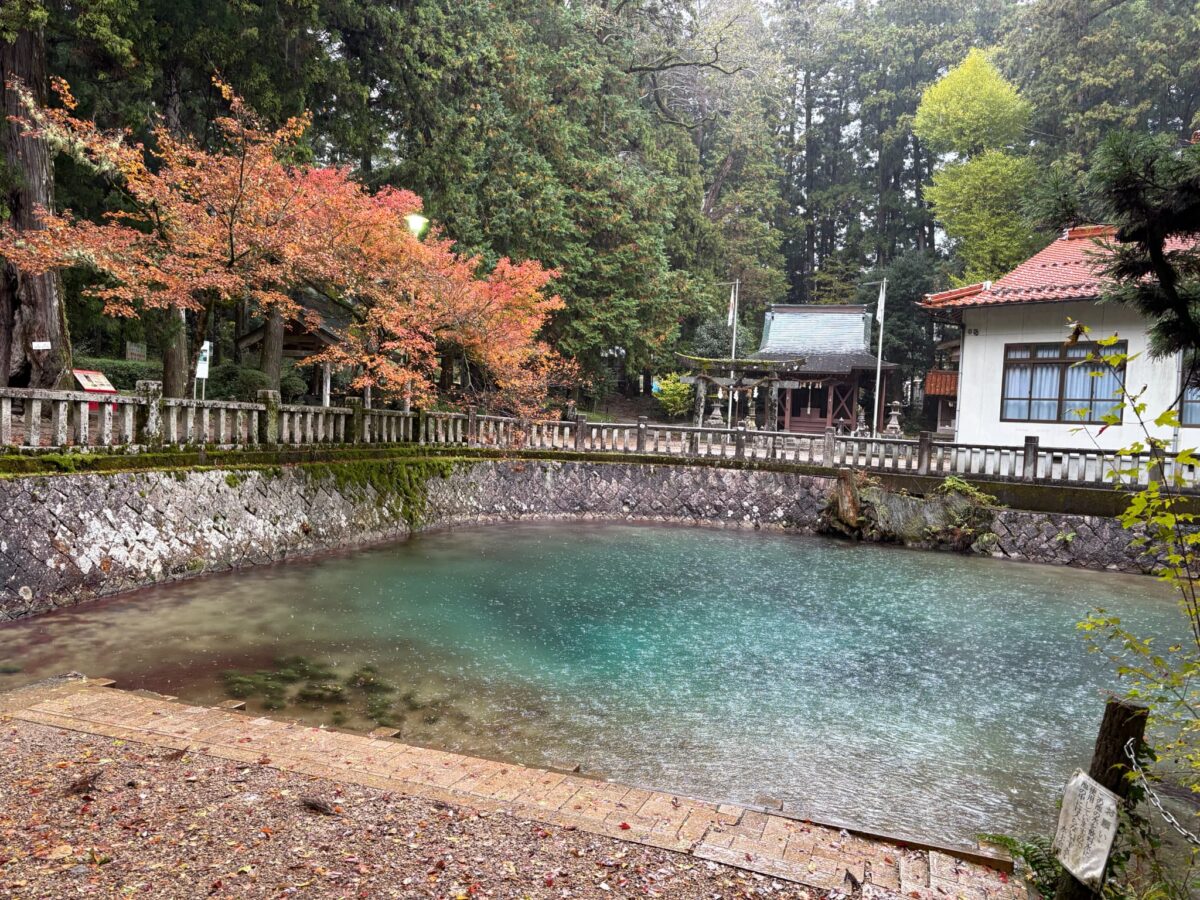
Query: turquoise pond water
x=899, y=690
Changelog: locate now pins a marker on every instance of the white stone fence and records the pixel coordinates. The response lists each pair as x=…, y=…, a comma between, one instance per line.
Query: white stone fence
x=58, y=420
x=64, y=419
x=1029, y=462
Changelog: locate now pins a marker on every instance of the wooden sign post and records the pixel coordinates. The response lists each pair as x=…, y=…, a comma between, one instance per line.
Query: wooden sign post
x=1089, y=800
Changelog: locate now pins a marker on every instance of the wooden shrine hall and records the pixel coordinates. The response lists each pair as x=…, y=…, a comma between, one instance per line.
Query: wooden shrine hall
x=809, y=374
x=318, y=324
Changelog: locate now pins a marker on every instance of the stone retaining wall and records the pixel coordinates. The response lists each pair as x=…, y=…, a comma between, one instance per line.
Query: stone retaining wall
x=68, y=538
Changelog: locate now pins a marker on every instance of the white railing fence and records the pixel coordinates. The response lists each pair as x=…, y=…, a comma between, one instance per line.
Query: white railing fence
x=74, y=419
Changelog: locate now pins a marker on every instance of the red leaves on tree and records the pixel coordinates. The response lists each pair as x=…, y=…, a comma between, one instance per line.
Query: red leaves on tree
x=205, y=227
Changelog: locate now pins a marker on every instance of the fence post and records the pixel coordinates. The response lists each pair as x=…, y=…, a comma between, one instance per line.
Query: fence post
x=150, y=412
x=698, y=408
x=827, y=449
x=1030, y=466
x=580, y=433
x=268, y=421
x=356, y=420
x=60, y=416
x=472, y=426
x=641, y=434
x=1122, y=722
x=739, y=443
x=421, y=420
x=1156, y=470
x=924, y=451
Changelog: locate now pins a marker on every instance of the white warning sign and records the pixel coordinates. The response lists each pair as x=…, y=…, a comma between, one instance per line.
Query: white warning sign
x=1086, y=828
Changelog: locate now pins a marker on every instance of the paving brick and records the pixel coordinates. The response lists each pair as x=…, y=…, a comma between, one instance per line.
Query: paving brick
x=733, y=812
x=914, y=871
x=884, y=874
x=776, y=846
x=752, y=823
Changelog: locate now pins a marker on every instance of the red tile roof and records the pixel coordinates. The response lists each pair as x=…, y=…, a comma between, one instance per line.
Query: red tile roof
x=941, y=383
x=1066, y=270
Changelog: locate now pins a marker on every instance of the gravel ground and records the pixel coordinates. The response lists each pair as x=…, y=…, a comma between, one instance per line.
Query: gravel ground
x=85, y=816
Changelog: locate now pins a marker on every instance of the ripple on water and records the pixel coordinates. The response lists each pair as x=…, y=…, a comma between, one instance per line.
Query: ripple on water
x=898, y=690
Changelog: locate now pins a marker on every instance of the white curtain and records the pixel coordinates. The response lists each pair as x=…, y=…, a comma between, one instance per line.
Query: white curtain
x=1016, y=392
x=1044, y=407
x=1105, y=388
x=1077, y=394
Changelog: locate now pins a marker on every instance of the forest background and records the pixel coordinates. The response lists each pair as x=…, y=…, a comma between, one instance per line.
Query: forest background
x=650, y=151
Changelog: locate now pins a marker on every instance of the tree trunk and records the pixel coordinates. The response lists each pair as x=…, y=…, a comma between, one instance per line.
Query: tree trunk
x=31, y=307
x=240, y=318
x=175, y=354
x=175, y=341
x=199, y=336
x=1123, y=721
x=810, y=220
x=446, y=373
x=271, y=361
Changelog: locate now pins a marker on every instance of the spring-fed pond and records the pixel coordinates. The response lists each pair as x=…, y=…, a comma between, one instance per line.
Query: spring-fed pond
x=903, y=691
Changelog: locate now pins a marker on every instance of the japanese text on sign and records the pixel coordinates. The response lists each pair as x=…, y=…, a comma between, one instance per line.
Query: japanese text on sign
x=1086, y=828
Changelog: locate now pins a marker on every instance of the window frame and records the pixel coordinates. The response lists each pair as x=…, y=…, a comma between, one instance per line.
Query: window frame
x=1063, y=363
x=1184, y=403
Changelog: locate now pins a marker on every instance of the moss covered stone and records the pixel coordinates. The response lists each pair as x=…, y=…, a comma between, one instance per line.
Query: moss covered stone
x=391, y=481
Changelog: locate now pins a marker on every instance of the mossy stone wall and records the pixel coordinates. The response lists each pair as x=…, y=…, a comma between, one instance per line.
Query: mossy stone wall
x=71, y=537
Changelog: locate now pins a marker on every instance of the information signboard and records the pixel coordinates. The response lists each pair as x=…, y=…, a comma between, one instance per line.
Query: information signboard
x=94, y=382
x=1086, y=828
x=202, y=360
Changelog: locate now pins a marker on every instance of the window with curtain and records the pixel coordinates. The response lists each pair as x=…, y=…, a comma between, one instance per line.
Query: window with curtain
x=1057, y=383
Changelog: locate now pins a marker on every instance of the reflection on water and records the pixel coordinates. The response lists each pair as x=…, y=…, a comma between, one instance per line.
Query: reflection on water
x=899, y=690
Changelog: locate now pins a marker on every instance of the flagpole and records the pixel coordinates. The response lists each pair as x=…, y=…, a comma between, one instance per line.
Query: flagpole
x=733, y=348
x=879, y=356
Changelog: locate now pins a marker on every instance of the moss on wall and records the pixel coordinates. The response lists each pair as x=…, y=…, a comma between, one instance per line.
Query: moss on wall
x=392, y=481
x=1053, y=498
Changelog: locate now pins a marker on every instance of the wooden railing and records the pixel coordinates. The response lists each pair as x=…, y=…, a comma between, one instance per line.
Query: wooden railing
x=63, y=419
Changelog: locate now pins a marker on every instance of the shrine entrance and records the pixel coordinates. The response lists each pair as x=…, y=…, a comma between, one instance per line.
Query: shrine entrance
x=806, y=407
x=819, y=404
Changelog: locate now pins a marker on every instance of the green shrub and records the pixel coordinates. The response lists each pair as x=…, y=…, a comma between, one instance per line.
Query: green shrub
x=1036, y=853
x=229, y=381
x=292, y=384
x=674, y=396
x=123, y=373
x=952, y=484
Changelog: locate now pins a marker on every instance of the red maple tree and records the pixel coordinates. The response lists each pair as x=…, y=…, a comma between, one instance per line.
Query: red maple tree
x=244, y=222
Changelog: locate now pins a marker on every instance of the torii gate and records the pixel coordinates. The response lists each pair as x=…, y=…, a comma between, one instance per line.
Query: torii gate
x=744, y=375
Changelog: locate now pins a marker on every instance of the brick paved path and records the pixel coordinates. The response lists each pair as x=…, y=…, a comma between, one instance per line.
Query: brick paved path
x=764, y=842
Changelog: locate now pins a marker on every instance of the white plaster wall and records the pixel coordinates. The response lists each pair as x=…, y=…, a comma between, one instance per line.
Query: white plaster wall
x=987, y=330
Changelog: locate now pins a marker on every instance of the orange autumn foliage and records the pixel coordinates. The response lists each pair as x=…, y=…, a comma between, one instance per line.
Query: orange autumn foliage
x=244, y=223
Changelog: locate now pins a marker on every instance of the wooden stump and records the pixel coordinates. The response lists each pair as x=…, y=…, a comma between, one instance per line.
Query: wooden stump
x=1110, y=767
